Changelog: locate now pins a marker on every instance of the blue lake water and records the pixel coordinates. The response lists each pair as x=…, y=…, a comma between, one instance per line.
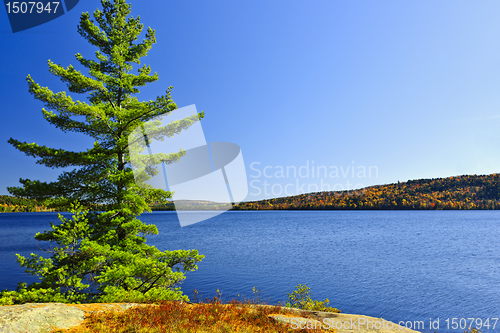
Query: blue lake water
x=398, y=265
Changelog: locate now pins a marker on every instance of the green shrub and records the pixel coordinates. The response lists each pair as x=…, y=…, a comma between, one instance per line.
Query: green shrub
x=300, y=298
x=31, y=294
x=115, y=294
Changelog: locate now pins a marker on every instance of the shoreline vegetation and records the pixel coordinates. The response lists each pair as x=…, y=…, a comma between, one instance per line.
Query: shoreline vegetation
x=467, y=192
x=217, y=317
x=10, y=204
x=213, y=315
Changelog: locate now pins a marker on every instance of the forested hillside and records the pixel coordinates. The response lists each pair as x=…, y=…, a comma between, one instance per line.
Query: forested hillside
x=191, y=205
x=461, y=192
x=12, y=204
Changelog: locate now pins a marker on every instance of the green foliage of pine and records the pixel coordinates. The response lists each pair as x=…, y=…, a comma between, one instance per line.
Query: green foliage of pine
x=100, y=254
x=31, y=294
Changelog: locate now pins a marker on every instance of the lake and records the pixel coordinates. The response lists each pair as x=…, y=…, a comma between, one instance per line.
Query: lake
x=399, y=265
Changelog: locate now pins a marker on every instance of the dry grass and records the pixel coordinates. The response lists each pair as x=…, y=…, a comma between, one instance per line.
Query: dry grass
x=167, y=317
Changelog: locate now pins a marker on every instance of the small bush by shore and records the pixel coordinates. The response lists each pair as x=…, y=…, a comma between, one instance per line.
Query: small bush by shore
x=208, y=316
x=182, y=317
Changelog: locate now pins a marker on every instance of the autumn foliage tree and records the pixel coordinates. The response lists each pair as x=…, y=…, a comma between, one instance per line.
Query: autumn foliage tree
x=459, y=192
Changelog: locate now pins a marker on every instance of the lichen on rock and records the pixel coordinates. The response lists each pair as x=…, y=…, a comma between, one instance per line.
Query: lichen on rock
x=45, y=317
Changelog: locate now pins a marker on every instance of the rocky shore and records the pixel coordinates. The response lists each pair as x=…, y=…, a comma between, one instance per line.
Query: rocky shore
x=341, y=322
x=46, y=317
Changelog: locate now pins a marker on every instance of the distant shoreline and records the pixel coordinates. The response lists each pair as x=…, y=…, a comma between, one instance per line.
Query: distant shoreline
x=468, y=192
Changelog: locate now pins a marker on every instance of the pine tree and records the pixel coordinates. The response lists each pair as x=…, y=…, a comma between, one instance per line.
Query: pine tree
x=101, y=252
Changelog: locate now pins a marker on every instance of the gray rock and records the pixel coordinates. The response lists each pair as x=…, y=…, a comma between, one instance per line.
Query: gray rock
x=342, y=322
x=45, y=317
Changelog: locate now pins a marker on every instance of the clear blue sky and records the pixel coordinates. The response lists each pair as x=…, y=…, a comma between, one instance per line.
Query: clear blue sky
x=409, y=88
